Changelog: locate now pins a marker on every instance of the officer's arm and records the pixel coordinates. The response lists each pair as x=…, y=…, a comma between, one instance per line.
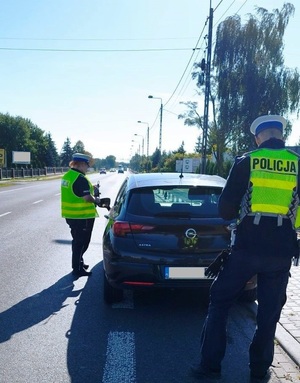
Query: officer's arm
x=235, y=188
x=82, y=189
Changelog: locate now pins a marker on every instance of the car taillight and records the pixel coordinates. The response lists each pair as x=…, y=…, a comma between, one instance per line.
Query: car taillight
x=121, y=228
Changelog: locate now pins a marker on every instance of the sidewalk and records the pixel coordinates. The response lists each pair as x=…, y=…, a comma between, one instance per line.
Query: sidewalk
x=286, y=362
x=288, y=328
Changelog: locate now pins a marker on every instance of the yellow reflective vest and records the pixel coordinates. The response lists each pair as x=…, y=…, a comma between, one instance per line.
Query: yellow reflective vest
x=273, y=183
x=73, y=206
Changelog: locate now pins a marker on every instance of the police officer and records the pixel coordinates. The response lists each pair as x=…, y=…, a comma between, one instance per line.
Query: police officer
x=262, y=193
x=79, y=210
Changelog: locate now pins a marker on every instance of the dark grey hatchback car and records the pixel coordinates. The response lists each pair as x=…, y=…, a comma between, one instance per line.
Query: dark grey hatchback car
x=163, y=232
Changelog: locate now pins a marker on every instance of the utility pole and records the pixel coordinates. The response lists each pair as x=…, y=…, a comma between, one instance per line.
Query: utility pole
x=207, y=91
x=160, y=126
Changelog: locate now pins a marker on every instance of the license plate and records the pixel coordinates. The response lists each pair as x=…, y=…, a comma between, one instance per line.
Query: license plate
x=185, y=272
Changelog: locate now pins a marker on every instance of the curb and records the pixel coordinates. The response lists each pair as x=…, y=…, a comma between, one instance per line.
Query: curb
x=285, y=340
x=288, y=343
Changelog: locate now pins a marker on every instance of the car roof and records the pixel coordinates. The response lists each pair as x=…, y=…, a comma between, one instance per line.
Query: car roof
x=174, y=179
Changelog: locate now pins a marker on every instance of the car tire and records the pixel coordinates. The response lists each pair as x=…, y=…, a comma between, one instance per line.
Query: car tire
x=248, y=296
x=110, y=294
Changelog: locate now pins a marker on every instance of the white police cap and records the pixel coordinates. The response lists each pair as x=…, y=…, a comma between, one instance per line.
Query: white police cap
x=81, y=157
x=266, y=122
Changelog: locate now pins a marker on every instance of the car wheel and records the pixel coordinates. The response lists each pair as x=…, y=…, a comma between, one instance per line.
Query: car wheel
x=111, y=295
x=248, y=295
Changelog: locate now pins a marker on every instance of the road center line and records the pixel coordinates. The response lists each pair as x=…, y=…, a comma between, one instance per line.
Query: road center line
x=120, y=365
x=2, y=215
x=41, y=200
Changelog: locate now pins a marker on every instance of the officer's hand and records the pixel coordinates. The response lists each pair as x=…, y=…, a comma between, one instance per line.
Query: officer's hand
x=214, y=268
x=97, y=201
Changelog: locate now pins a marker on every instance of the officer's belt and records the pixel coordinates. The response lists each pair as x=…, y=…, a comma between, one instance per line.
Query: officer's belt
x=257, y=216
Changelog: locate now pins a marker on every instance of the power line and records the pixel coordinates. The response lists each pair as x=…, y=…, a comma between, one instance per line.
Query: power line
x=94, y=39
x=229, y=8
x=186, y=82
x=95, y=50
x=194, y=50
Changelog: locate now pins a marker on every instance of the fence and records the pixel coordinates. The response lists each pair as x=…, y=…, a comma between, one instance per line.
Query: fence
x=30, y=173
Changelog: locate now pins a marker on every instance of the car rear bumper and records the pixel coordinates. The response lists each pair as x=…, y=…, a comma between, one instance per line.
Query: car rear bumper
x=146, y=275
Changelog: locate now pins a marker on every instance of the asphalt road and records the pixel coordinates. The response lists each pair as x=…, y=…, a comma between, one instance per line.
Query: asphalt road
x=54, y=329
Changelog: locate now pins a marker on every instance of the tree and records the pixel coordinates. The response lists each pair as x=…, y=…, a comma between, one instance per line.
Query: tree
x=156, y=158
x=110, y=161
x=79, y=147
x=193, y=118
x=66, y=153
x=180, y=149
x=51, y=155
x=20, y=134
x=198, y=145
x=250, y=74
x=14, y=135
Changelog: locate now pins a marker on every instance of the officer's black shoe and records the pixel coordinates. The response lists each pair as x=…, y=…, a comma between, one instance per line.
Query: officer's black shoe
x=198, y=372
x=81, y=273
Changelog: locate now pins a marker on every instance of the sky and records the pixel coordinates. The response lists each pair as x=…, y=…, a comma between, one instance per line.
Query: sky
x=83, y=69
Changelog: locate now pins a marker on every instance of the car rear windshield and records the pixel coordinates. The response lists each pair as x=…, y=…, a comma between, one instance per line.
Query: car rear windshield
x=183, y=201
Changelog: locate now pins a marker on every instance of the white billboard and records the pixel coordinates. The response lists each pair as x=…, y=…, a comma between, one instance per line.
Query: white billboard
x=187, y=165
x=21, y=157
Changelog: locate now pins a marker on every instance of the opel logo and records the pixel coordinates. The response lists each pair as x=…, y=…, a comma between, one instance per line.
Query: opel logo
x=191, y=233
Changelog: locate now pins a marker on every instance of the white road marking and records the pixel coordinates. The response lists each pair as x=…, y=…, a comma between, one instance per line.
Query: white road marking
x=17, y=189
x=120, y=366
x=2, y=215
x=41, y=200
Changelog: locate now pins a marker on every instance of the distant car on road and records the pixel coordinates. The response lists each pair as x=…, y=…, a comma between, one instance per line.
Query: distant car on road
x=112, y=170
x=120, y=169
x=163, y=231
x=102, y=171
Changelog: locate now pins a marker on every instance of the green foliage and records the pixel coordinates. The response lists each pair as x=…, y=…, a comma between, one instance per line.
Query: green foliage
x=66, y=153
x=250, y=74
x=107, y=163
x=156, y=158
x=191, y=116
x=180, y=149
x=20, y=134
x=79, y=147
x=248, y=79
x=169, y=164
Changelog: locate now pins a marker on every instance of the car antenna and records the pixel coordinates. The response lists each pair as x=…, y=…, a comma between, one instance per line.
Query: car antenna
x=181, y=175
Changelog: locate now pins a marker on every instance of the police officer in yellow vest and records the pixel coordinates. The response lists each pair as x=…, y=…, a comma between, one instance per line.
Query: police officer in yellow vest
x=78, y=206
x=262, y=193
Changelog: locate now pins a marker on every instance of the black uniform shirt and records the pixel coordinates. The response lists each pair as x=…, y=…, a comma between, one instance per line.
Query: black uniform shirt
x=81, y=186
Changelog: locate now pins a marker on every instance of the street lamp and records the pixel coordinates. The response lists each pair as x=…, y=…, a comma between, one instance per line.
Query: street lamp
x=141, y=122
x=161, y=113
x=139, y=135
x=139, y=146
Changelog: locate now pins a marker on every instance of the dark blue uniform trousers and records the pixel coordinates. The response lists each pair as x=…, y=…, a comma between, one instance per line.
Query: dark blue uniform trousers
x=273, y=274
x=81, y=231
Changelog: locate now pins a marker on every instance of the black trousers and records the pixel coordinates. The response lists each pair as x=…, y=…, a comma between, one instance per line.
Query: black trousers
x=81, y=231
x=272, y=274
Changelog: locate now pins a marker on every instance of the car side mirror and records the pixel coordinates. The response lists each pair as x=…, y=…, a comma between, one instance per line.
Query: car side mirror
x=105, y=202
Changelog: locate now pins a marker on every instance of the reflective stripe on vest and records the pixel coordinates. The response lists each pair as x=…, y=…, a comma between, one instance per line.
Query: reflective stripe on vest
x=73, y=206
x=273, y=180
